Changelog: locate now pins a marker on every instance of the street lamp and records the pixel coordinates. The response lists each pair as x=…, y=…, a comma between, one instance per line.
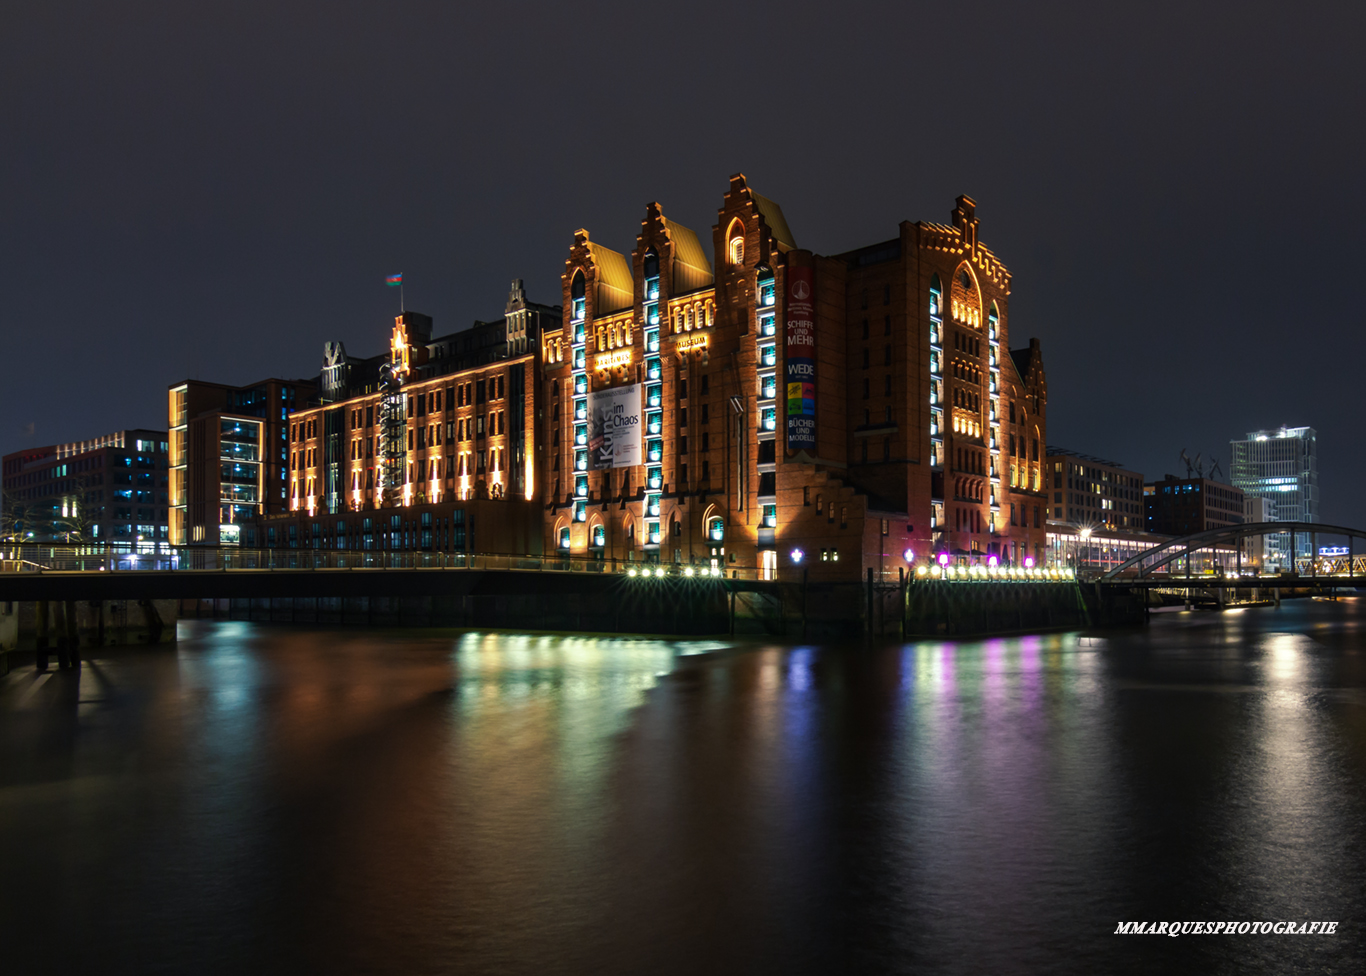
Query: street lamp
x=1085, y=534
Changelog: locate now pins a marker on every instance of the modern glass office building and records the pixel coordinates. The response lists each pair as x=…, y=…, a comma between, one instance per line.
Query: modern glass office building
x=1281, y=466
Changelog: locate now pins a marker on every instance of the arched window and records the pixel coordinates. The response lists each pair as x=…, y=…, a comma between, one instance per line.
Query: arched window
x=650, y=266
x=716, y=529
x=735, y=243
x=577, y=290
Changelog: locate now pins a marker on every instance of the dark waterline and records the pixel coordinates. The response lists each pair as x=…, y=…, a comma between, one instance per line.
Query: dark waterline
x=264, y=799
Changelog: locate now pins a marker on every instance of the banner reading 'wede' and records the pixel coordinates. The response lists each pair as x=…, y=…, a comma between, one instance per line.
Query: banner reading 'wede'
x=800, y=342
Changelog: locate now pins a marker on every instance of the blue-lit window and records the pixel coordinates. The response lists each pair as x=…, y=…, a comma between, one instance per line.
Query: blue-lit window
x=599, y=536
x=654, y=479
x=768, y=418
x=767, y=324
x=654, y=395
x=934, y=363
x=654, y=423
x=652, y=505
x=580, y=385
x=580, y=358
x=580, y=511
x=716, y=530
x=581, y=435
x=768, y=355
x=768, y=293
x=653, y=370
x=652, y=336
x=580, y=460
x=580, y=334
x=935, y=339
x=770, y=519
x=654, y=451
x=652, y=533
x=564, y=537
x=768, y=387
x=936, y=299
x=581, y=409
x=578, y=306
x=581, y=486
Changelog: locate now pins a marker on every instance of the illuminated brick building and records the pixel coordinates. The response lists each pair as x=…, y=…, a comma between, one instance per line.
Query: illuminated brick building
x=789, y=406
x=415, y=448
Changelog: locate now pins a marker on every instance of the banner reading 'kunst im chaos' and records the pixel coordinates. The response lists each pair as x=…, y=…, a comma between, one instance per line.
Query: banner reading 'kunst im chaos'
x=614, y=427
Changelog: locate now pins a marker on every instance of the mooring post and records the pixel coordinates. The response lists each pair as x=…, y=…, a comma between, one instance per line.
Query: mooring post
x=804, y=579
x=901, y=579
x=868, y=624
x=73, y=636
x=40, y=635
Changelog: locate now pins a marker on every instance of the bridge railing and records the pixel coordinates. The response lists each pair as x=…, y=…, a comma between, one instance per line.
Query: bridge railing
x=127, y=559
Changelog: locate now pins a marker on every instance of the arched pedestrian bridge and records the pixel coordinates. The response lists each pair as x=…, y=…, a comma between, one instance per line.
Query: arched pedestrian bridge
x=1221, y=558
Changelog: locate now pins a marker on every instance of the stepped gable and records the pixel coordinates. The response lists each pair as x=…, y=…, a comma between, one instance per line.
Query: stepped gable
x=960, y=239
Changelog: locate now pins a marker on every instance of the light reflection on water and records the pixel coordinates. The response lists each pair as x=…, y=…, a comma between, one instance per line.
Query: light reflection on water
x=262, y=799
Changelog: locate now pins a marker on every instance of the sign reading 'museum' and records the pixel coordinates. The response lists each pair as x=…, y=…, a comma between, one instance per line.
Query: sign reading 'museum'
x=800, y=356
x=614, y=427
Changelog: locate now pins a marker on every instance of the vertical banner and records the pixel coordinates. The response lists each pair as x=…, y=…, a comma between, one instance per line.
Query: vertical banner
x=800, y=357
x=614, y=427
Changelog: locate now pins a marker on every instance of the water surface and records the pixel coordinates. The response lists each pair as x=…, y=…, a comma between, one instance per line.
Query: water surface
x=268, y=799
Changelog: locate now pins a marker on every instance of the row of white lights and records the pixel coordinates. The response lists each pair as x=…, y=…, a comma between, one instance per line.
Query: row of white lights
x=689, y=571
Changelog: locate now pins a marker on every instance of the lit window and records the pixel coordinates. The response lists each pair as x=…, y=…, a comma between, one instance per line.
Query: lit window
x=737, y=249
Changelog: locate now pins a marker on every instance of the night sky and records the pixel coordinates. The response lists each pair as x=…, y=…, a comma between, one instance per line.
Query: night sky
x=215, y=190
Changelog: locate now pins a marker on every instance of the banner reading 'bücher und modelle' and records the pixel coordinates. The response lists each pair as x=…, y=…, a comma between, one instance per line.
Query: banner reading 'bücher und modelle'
x=800, y=356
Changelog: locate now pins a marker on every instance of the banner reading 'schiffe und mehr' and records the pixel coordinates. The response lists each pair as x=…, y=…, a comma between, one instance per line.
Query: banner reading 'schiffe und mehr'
x=800, y=346
x=614, y=427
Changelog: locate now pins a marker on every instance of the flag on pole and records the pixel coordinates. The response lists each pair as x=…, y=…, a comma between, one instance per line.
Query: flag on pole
x=394, y=280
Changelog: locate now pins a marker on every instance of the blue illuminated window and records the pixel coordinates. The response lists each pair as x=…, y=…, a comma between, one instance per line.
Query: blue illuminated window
x=768, y=387
x=768, y=355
